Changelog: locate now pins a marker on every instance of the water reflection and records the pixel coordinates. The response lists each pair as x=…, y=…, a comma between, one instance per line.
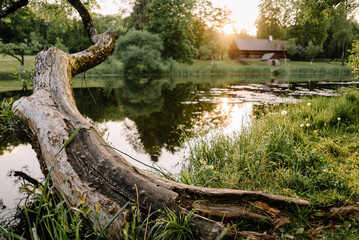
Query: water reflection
x=146, y=118
x=20, y=158
x=151, y=111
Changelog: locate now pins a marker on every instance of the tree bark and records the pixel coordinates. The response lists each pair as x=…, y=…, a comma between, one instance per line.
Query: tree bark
x=11, y=6
x=88, y=166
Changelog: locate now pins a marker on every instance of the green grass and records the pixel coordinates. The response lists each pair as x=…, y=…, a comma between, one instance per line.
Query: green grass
x=232, y=67
x=307, y=153
x=308, y=150
x=113, y=66
x=9, y=64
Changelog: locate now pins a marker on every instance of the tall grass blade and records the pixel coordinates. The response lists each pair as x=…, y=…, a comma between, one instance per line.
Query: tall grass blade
x=69, y=140
x=222, y=235
x=112, y=220
x=10, y=234
x=34, y=233
x=43, y=193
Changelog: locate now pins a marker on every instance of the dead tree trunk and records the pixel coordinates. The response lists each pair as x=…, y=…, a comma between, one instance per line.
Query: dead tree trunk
x=88, y=166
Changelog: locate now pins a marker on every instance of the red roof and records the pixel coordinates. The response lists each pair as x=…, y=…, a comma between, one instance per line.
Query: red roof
x=260, y=44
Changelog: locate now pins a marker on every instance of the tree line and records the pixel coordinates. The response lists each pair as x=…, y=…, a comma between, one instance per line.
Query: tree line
x=182, y=30
x=320, y=27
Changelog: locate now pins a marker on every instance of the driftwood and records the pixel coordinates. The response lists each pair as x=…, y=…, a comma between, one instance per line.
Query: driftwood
x=88, y=166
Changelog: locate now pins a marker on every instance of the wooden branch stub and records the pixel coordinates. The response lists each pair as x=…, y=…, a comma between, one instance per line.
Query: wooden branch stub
x=94, y=55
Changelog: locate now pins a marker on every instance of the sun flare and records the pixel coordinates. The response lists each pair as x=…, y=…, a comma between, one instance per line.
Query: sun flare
x=228, y=29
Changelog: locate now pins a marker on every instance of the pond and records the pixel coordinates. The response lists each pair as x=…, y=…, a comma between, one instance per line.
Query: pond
x=146, y=118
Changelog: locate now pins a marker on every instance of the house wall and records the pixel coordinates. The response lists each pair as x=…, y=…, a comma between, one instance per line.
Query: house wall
x=235, y=54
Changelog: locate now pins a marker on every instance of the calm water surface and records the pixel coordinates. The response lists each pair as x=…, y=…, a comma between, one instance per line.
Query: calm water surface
x=145, y=118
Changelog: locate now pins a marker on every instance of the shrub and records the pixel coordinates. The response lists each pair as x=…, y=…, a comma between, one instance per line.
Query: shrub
x=140, y=52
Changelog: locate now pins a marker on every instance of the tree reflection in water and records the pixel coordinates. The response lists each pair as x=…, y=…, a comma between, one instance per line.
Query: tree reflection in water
x=155, y=106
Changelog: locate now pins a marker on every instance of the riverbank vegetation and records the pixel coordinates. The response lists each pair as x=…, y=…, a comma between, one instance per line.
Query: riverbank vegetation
x=114, y=67
x=305, y=150
x=196, y=35
x=308, y=150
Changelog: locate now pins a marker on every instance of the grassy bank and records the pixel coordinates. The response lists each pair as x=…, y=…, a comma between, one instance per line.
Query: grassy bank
x=255, y=68
x=309, y=150
x=233, y=67
x=113, y=66
x=9, y=64
x=304, y=150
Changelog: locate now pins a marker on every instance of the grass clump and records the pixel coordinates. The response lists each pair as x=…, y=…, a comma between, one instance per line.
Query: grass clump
x=307, y=150
x=46, y=216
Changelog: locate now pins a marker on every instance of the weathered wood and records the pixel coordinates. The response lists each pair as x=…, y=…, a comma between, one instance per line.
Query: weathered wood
x=89, y=166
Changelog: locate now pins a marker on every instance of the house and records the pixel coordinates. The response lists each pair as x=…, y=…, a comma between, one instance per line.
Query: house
x=257, y=49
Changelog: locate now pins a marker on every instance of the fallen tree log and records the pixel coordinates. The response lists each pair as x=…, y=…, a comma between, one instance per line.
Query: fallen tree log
x=89, y=166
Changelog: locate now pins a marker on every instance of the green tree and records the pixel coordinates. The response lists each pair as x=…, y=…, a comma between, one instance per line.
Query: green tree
x=139, y=16
x=272, y=18
x=140, y=52
x=173, y=20
x=17, y=26
x=204, y=52
x=53, y=23
x=313, y=51
x=341, y=33
x=312, y=19
x=19, y=50
x=354, y=58
x=207, y=28
x=291, y=47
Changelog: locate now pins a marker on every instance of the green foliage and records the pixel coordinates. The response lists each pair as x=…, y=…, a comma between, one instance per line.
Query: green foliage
x=25, y=77
x=342, y=34
x=21, y=49
x=139, y=16
x=18, y=26
x=9, y=123
x=207, y=25
x=271, y=19
x=348, y=230
x=136, y=223
x=18, y=34
x=354, y=58
x=204, y=52
x=8, y=119
x=291, y=47
x=49, y=217
x=140, y=52
x=305, y=150
x=160, y=225
x=172, y=20
x=172, y=225
x=60, y=45
x=313, y=50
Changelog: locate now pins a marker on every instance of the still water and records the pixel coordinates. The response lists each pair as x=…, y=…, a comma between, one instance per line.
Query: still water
x=147, y=118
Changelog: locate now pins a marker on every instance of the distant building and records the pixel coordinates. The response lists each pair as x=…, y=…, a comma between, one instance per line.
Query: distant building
x=258, y=49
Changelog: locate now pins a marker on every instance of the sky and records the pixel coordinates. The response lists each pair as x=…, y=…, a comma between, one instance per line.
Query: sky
x=244, y=12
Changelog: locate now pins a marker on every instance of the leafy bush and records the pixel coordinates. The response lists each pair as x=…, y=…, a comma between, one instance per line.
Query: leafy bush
x=140, y=52
x=354, y=58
